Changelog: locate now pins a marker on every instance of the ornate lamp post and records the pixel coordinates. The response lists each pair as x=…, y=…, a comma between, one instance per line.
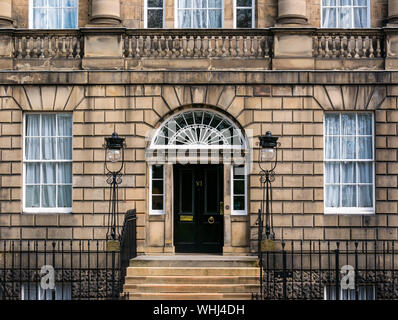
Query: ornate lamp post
x=114, y=161
x=267, y=160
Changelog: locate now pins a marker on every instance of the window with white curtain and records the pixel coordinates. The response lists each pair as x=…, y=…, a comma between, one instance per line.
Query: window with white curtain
x=34, y=291
x=156, y=189
x=154, y=16
x=244, y=13
x=199, y=14
x=345, y=14
x=53, y=14
x=47, y=163
x=349, y=163
x=363, y=292
x=239, y=190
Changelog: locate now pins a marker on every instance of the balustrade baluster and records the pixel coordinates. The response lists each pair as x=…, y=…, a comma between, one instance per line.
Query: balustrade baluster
x=130, y=46
x=245, y=50
x=210, y=46
x=320, y=46
x=223, y=49
x=259, y=46
x=378, y=48
x=70, y=47
x=20, y=49
x=267, y=46
x=349, y=47
x=327, y=51
x=343, y=39
x=78, y=50
x=334, y=50
x=28, y=48
x=364, y=47
x=371, y=50
x=358, y=39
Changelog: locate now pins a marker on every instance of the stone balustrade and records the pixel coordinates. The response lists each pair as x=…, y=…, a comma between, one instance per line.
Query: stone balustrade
x=197, y=44
x=349, y=44
x=43, y=45
x=212, y=49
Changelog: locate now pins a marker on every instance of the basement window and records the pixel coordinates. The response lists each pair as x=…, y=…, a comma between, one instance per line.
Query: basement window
x=364, y=292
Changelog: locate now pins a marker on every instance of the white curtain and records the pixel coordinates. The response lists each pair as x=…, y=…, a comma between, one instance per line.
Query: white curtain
x=349, y=183
x=45, y=180
x=350, y=13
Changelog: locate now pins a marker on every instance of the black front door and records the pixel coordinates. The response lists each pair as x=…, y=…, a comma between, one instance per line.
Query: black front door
x=198, y=205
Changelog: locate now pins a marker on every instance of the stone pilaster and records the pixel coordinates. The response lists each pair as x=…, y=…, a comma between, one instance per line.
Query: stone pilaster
x=292, y=12
x=6, y=20
x=393, y=12
x=392, y=36
x=293, y=37
x=105, y=12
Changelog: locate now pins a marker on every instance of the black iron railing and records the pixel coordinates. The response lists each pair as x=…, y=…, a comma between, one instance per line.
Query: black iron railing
x=330, y=270
x=65, y=269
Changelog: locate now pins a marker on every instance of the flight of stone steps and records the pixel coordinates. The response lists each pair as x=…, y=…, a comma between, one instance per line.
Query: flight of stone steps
x=192, y=277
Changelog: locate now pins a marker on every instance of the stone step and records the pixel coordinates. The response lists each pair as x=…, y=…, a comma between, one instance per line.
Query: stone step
x=193, y=279
x=190, y=296
x=194, y=261
x=191, y=288
x=194, y=271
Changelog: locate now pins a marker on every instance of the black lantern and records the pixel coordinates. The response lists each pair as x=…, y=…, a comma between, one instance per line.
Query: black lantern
x=114, y=153
x=268, y=156
x=267, y=160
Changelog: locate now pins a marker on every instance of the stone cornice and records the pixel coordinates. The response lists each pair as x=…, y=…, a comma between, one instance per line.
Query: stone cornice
x=198, y=77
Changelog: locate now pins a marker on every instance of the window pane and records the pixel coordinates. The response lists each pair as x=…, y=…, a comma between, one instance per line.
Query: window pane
x=48, y=123
x=32, y=196
x=155, y=3
x=48, y=148
x=39, y=18
x=157, y=172
x=157, y=202
x=33, y=173
x=365, y=124
x=70, y=16
x=64, y=172
x=345, y=18
x=349, y=172
x=215, y=4
x=243, y=3
x=332, y=148
x=360, y=18
x=365, y=196
x=64, y=151
x=155, y=19
x=329, y=2
x=349, y=196
x=184, y=3
x=39, y=3
x=348, y=124
x=239, y=187
x=348, y=148
x=332, y=172
x=332, y=196
x=215, y=20
x=244, y=18
x=48, y=196
x=54, y=18
x=332, y=124
x=65, y=196
x=55, y=3
x=365, y=150
x=239, y=172
x=329, y=18
x=64, y=125
x=69, y=3
x=184, y=18
x=32, y=148
x=32, y=125
x=157, y=186
x=49, y=173
x=365, y=172
x=239, y=203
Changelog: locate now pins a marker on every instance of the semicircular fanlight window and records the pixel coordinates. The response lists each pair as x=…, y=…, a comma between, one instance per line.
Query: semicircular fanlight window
x=199, y=129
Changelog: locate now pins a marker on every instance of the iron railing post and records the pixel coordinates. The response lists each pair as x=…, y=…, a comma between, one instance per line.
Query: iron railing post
x=284, y=275
x=337, y=272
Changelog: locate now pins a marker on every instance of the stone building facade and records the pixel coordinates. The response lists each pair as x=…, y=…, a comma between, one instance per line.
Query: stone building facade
x=113, y=74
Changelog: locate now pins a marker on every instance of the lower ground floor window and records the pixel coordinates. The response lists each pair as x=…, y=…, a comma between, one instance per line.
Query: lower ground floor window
x=33, y=291
x=366, y=292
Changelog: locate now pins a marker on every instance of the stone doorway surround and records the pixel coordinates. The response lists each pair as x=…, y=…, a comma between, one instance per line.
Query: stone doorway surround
x=160, y=228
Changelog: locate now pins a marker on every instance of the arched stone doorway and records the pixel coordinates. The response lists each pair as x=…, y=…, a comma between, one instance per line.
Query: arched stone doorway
x=193, y=160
